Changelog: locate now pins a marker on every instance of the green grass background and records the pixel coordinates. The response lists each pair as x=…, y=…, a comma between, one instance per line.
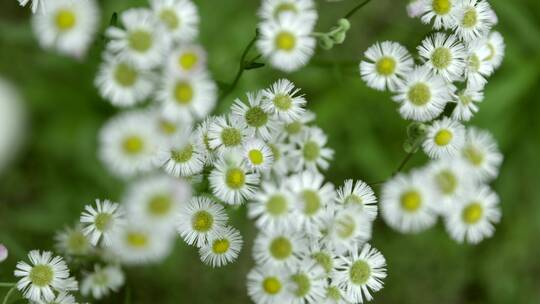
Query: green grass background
x=57, y=171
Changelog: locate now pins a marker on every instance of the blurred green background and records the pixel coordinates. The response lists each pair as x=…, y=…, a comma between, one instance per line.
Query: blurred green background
x=57, y=171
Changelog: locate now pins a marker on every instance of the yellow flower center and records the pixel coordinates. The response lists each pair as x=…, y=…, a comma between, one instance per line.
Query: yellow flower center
x=281, y=248
x=443, y=137
x=386, y=66
x=188, y=60
x=235, y=178
x=183, y=93
x=441, y=7
x=474, y=155
x=65, y=19
x=140, y=40
x=411, y=201
x=271, y=285
x=472, y=213
x=470, y=18
x=137, y=239
x=419, y=94
x=41, y=275
x=256, y=157
x=285, y=41
x=170, y=18
x=221, y=246
x=360, y=272
x=441, y=58
x=202, y=221
x=125, y=75
x=133, y=145
x=160, y=205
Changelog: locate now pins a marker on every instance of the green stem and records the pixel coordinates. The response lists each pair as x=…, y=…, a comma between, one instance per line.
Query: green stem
x=355, y=9
x=241, y=67
x=7, y=284
x=8, y=294
x=404, y=162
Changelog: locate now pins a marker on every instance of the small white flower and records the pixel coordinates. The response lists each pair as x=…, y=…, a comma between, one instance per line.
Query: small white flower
x=293, y=130
x=136, y=244
x=268, y=285
x=386, y=65
x=73, y=241
x=349, y=227
x=307, y=283
x=358, y=194
x=222, y=248
x=180, y=18
x=481, y=154
x=155, y=201
x=200, y=220
x=37, y=5
x=259, y=122
x=423, y=95
x=360, y=273
x=406, y=203
x=415, y=8
x=334, y=294
x=122, y=83
x=62, y=298
x=68, y=26
x=283, y=100
x=280, y=153
x=279, y=247
x=102, y=281
x=496, y=46
x=444, y=55
x=473, y=19
x=286, y=42
x=449, y=178
x=472, y=219
x=312, y=197
x=184, y=157
x=202, y=134
x=444, y=138
x=466, y=103
x=140, y=40
x=231, y=180
x=311, y=153
x=187, y=59
x=273, y=207
x=168, y=129
x=187, y=97
x=257, y=155
x=323, y=254
x=3, y=253
x=226, y=135
x=478, y=69
x=127, y=145
x=271, y=10
x=440, y=11
x=100, y=221
x=43, y=276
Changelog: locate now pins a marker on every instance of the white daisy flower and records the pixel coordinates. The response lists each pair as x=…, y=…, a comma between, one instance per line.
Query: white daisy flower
x=440, y=11
x=102, y=281
x=127, y=145
x=311, y=199
x=271, y=10
x=68, y=26
x=155, y=201
x=481, y=154
x=259, y=122
x=358, y=194
x=167, y=128
x=13, y=122
x=307, y=283
x=349, y=227
x=43, y=276
x=186, y=59
x=280, y=153
x=360, y=273
x=444, y=138
x=273, y=207
x=334, y=294
x=200, y=220
x=226, y=135
x=268, y=285
x=279, y=247
x=496, y=46
x=386, y=65
x=187, y=97
x=407, y=203
x=257, y=155
x=312, y=153
x=136, y=244
x=202, y=133
x=445, y=55
x=222, y=248
x=286, y=42
x=473, y=18
x=478, y=69
x=73, y=241
x=293, y=130
x=283, y=100
x=323, y=254
x=231, y=181
x=61, y=298
x=140, y=40
x=472, y=219
x=448, y=178
x=415, y=8
x=466, y=103
x=423, y=95
x=3, y=253
x=180, y=18
x=36, y=5
x=184, y=157
x=122, y=83
x=100, y=221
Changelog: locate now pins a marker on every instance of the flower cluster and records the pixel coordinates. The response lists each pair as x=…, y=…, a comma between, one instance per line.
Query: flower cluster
x=67, y=26
x=286, y=33
x=440, y=91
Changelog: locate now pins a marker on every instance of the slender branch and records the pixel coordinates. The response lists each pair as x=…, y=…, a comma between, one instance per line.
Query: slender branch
x=355, y=9
x=8, y=294
x=403, y=163
x=241, y=67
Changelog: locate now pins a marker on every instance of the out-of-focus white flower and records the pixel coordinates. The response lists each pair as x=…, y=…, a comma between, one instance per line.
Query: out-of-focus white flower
x=102, y=281
x=12, y=122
